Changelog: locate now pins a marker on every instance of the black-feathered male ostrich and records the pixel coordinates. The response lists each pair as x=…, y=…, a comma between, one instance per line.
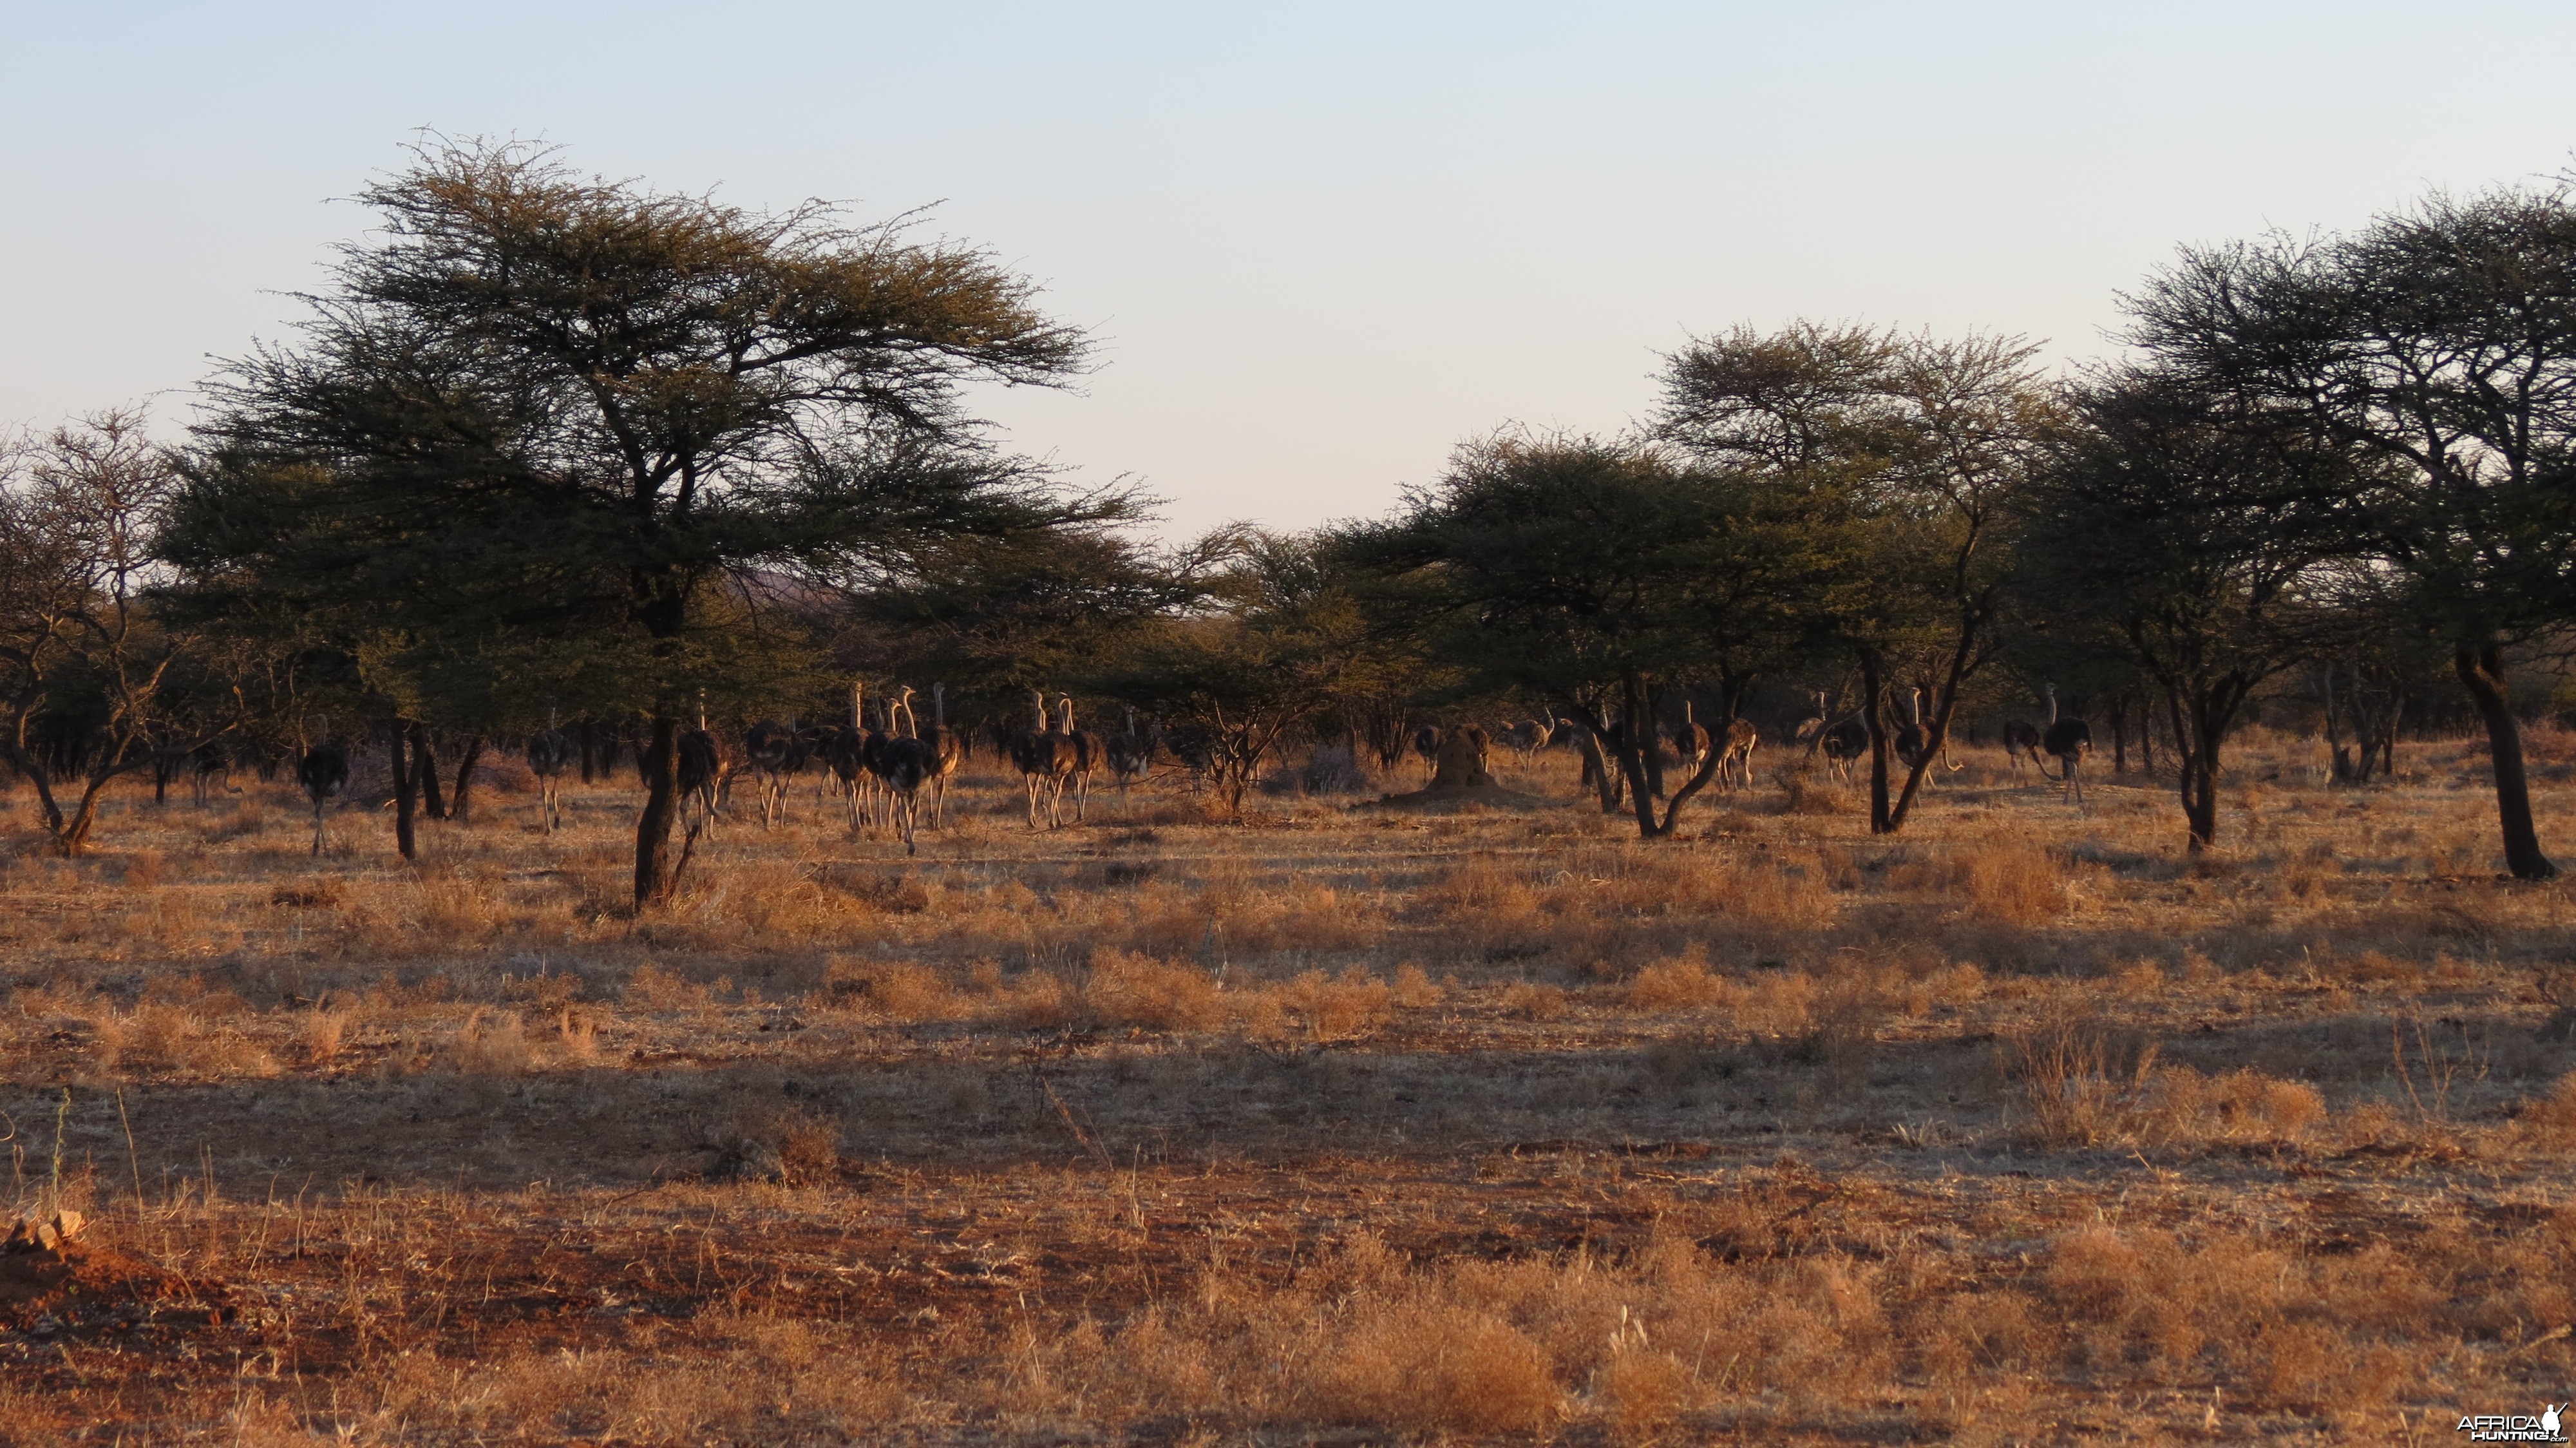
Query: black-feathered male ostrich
x=324, y=774
x=2066, y=740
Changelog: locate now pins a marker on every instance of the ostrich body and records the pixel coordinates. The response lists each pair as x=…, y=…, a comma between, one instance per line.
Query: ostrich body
x=2022, y=740
x=1090, y=752
x=1735, y=765
x=769, y=750
x=1045, y=759
x=1843, y=741
x=1525, y=738
x=1912, y=741
x=550, y=754
x=1426, y=746
x=1811, y=730
x=701, y=768
x=944, y=753
x=1691, y=740
x=323, y=773
x=207, y=763
x=1131, y=753
x=903, y=762
x=2066, y=740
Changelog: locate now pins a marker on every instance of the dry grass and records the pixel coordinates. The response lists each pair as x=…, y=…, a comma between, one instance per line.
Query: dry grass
x=2019, y=1125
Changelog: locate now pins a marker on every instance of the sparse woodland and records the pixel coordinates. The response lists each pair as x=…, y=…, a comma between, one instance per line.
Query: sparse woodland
x=590, y=859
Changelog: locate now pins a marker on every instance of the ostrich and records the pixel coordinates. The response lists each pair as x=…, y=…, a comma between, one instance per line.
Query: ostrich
x=769, y=750
x=846, y=752
x=1735, y=766
x=1131, y=753
x=1525, y=738
x=1811, y=730
x=944, y=752
x=2067, y=740
x=1691, y=740
x=1044, y=757
x=1843, y=741
x=2021, y=738
x=207, y=763
x=1090, y=752
x=701, y=770
x=903, y=762
x=1912, y=740
x=323, y=772
x=1426, y=746
x=550, y=753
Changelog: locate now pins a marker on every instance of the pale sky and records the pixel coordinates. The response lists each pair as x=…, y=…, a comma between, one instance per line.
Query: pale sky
x=1319, y=244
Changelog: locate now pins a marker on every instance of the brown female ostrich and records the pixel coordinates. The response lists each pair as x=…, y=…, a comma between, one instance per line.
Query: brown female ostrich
x=1811, y=730
x=846, y=752
x=1690, y=740
x=1090, y=752
x=1735, y=766
x=1045, y=758
x=701, y=771
x=550, y=754
x=324, y=773
x=945, y=752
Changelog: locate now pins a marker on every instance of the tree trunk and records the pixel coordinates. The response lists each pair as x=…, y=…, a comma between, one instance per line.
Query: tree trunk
x=406, y=794
x=1589, y=737
x=465, y=779
x=2120, y=733
x=586, y=734
x=1651, y=747
x=1873, y=691
x=2481, y=670
x=424, y=761
x=661, y=766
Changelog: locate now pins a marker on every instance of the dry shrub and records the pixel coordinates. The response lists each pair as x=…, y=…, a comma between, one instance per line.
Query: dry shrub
x=1683, y=983
x=321, y=1034
x=1127, y=989
x=2007, y=884
x=1415, y=989
x=1533, y=1000
x=899, y=992
x=1642, y=1390
x=191, y=1039
x=1430, y=1367
x=2087, y=1084
x=1486, y=902
x=792, y=1146
x=652, y=988
x=2072, y=1078
x=1334, y=1009
x=489, y=1043
x=577, y=1035
x=2182, y=1105
x=2549, y=1122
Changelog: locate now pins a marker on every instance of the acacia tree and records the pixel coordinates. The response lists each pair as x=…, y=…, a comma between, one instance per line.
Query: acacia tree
x=2443, y=339
x=565, y=408
x=1280, y=637
x=2194, y=536
x=1899, y=456
x=89, y=670
x=1591, y=573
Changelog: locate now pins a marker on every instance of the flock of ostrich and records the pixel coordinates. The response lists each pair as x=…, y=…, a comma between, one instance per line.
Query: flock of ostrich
x=889, y=771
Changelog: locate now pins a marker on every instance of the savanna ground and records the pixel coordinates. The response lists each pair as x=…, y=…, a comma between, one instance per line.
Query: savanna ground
x=1340, y=1125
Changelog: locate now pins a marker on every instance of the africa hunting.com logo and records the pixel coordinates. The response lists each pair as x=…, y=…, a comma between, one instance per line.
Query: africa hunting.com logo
x=2515, y=1427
